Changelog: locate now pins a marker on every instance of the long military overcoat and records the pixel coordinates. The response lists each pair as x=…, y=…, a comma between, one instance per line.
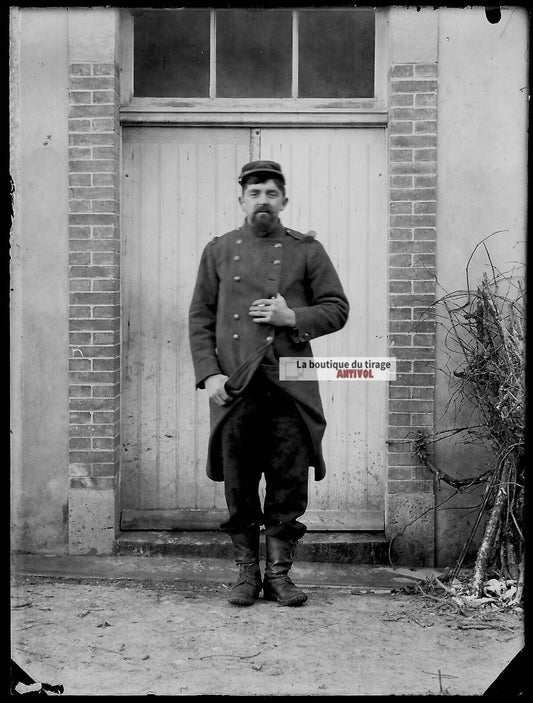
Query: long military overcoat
x=236, y=269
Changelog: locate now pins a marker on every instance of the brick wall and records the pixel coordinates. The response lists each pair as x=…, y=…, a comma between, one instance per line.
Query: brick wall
x=94, y=327
x=412, y=289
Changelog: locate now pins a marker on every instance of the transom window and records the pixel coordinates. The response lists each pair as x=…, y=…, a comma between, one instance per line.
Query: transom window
x=245, y=53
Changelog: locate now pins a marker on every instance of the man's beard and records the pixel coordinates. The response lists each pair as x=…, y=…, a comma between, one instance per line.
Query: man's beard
x=263, y=219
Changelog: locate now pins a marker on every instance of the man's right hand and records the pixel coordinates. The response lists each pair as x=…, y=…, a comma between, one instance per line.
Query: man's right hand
x=214, y=386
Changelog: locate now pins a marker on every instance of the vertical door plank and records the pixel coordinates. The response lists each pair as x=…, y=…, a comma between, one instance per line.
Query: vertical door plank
x=149, y=325
x=169, y=306
x=377, y=334
x=130, y=333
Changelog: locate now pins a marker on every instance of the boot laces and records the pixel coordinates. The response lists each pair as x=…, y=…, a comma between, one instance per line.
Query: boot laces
x=248, y=574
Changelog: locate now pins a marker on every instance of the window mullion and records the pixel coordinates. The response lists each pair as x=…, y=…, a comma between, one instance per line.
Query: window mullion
x=295, y=16
x=212, y=55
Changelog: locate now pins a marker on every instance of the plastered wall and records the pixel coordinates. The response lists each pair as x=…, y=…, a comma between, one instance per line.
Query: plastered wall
x=482, y=186
x=39, y=275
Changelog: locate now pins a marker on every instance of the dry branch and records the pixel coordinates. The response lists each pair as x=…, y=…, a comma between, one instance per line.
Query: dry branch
x=486, y=331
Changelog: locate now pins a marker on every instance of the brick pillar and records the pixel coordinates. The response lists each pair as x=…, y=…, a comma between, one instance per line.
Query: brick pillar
x=412, y=290
x=94, y=391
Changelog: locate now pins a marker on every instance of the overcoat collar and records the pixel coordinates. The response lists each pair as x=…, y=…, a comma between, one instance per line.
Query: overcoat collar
x=277, y=232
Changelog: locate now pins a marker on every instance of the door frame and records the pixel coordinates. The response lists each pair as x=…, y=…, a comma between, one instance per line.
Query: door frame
x=254, y=114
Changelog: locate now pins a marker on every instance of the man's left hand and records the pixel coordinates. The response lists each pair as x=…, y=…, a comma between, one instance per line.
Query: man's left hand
x=273, y=311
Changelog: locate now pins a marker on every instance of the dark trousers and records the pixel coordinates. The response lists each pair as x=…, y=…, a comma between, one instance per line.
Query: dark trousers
x=265, y=434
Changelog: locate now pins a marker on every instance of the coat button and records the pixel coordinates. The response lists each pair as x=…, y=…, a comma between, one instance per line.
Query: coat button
x=236, y=316
x=276, y=262
x=235, y=336
x=236, y=278
x=277, y=245
x=269, y=339
x=236, y=258
x=238, y=241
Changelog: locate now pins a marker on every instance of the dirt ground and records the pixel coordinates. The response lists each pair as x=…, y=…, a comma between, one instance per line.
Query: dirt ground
x=114, y=638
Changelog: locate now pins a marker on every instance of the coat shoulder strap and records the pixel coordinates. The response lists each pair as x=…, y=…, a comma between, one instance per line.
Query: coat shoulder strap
x=223, y=237
x=309, y=237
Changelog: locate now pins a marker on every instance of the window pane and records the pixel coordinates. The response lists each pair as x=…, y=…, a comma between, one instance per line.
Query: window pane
x=171, y=53
x=254, y=53
x=336, y=54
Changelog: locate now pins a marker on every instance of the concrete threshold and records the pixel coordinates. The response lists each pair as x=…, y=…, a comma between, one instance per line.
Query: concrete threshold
x=328, y=547
x=182, y=571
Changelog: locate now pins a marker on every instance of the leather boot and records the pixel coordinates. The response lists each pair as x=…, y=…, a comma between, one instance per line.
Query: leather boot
x=277, y=585
x=247, y=587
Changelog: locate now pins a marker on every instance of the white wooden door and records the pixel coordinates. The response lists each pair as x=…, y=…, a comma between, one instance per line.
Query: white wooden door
x=179, y=190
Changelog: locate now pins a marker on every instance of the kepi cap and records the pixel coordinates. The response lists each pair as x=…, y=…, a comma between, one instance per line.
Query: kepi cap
x=270, y=167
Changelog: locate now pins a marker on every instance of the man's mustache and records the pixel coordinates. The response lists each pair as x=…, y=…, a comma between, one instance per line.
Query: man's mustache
x=263, y=208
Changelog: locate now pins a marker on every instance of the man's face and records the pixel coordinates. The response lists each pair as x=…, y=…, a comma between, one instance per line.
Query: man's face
x=262, y=203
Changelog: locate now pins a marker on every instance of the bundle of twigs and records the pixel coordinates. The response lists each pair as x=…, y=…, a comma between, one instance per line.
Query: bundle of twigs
x=486, y=326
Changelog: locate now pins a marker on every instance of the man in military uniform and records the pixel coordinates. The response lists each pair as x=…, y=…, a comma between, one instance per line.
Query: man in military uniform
x=263, y=292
